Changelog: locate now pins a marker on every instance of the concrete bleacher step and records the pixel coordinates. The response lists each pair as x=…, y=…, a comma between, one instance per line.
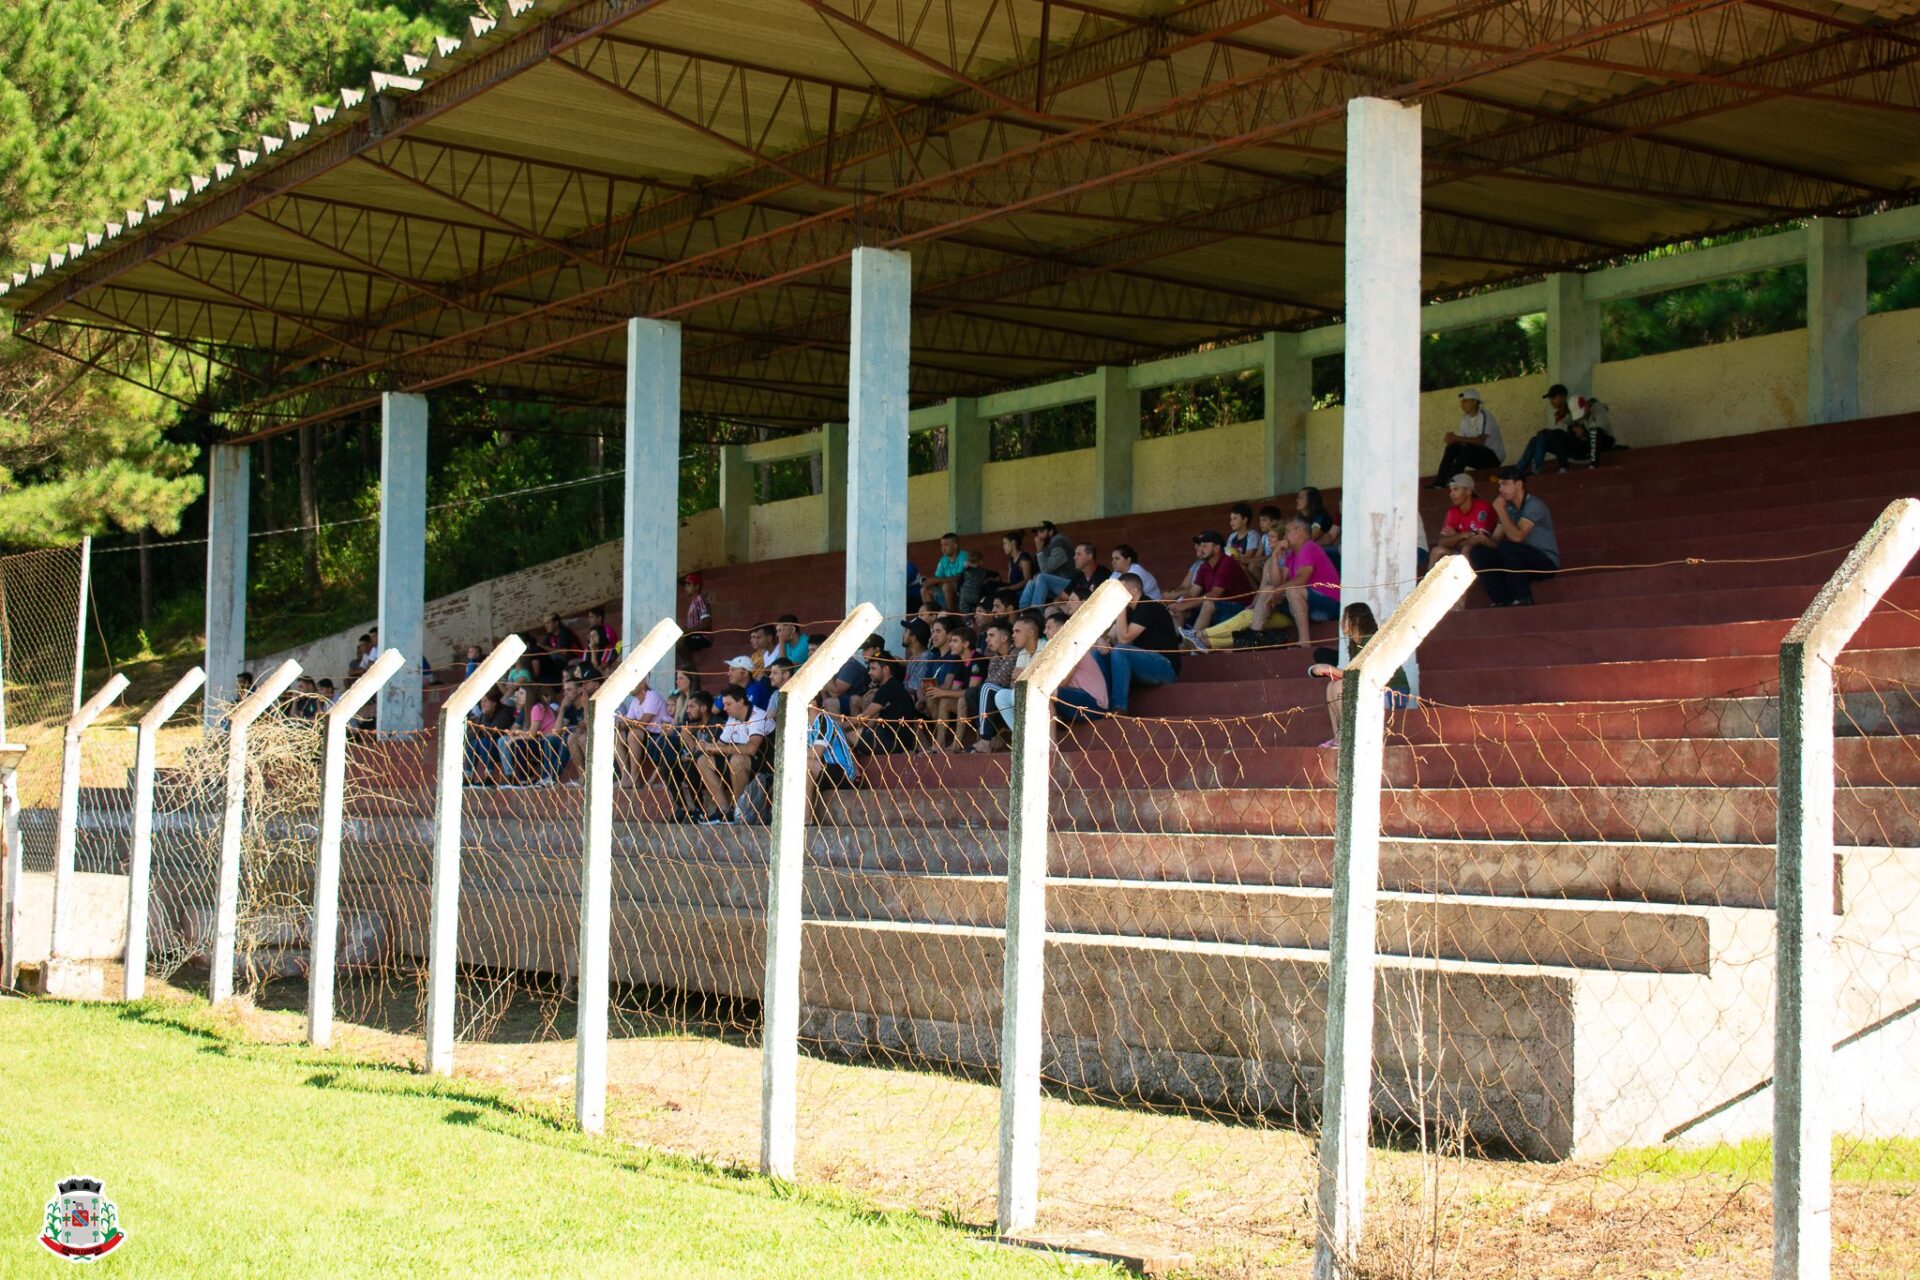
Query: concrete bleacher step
x=1881, y=816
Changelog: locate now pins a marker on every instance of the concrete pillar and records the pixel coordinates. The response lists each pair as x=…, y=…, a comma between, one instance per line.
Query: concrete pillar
x=403, y=554
x=736, y=504
x=1116, y=416
x=833, y=484
x=650, y=552
x=1836, y=303
x=1573, y=332
x=228, y=479
x=876, y=470
x=1380, y=446
x=1287, y=392
x=967, y=452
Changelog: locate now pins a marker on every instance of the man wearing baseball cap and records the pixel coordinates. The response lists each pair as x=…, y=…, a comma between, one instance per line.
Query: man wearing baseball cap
x=1469, y=521
x=1223, y=584
x=1577, y=432
x=1475, y=442
x=1522, y=548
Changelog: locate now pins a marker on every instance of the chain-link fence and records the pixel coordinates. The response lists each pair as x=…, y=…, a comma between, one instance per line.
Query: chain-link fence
x=1573, y=1003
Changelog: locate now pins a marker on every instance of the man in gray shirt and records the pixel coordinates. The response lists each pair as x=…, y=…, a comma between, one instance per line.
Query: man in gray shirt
x=1520, y=550
x=1053, y=558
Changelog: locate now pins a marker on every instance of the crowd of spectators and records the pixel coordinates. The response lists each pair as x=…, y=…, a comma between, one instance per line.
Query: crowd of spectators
x=980, y=620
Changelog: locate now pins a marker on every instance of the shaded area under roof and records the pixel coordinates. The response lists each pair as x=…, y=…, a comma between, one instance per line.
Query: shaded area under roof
x=1080, y=183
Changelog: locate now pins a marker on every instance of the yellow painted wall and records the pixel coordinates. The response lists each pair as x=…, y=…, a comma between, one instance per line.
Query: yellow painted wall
x=1198, y=467
x=928, y=514
x=700, y=538
x=789, y=528
x=1890, y=363
x=1730, y=388
x=1025, y=491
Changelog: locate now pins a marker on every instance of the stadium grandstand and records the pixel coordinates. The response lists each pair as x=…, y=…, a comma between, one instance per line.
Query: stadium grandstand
x=850, y=223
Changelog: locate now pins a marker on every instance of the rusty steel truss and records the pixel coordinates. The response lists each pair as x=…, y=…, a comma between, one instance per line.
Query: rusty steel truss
x=1080, y=182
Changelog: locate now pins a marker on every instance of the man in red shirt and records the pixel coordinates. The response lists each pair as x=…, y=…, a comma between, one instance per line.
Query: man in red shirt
x=1223, y=584
x=1469, y=520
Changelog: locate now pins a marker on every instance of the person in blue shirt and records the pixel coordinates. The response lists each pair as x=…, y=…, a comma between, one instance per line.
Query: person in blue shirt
x=794, y=646
x=829, y=758
x=943, y=588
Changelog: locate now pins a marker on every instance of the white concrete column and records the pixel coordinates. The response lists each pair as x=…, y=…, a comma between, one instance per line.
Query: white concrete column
x=833, y=485
x=1380, y=445
x=967, y=452
x=403, y=554
x=736, y=504
x=227, y=492
x=876, y=470
x=140, y=850
x=1287, y=395
x=1573, y=333
x=650, y=553
x=1116, y=424
x=1836, y=303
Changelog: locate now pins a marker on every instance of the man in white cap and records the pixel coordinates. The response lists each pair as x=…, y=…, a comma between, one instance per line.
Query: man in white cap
x=1469, y=521
x=1474, y=443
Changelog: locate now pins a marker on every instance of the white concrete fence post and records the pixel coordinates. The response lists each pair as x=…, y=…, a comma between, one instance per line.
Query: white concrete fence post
x=596, y=873
x=67, y=832
x=1023, y=974
x=226, y=917
x=1803, y=892
x=1348, y=1088
x=786, y=868
x=10, y=756
x=323, y=929
x=140, y=851
x=443, y=944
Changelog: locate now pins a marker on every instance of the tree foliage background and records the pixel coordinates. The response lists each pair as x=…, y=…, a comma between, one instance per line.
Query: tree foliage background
x=106, y=102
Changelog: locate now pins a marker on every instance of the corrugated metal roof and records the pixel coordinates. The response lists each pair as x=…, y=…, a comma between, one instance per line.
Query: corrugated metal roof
x=1081, y=181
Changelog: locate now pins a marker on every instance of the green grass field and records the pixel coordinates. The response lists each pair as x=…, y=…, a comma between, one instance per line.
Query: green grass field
x=235, y=1158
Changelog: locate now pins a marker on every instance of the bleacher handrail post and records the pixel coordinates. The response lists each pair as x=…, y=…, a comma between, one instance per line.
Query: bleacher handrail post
x=140, y=851
x=10, y=757
x=596, y=873
x=1348, y=1086
x=226, y=913
x=786, y=869
x=67, y=834
x=1023, y=975
x=1804, y=890
x=323, y=932
x=443, y=927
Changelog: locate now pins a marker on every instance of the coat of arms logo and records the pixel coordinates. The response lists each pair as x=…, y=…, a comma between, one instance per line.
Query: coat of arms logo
x=82, y=1225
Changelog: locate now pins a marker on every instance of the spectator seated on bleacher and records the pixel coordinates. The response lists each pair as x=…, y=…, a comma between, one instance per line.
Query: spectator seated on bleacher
x=1359, y=625
x=600, y=647
x=1025, y=644
x=697, y=623
x=728, y=762
x=1469, y=518
x=1053, y=558
x=1322, y=526
x=778, y=674
x=363, y=655
x=559, y=640
x=642, y=735
x=1244, y=543
x=1521, y=548
x=916, y=636
x=794, y=646
x=1307, y=581
x=883, y=724
x=943, y=698
x=942, y=587
x=1222, y=584
x=1476, y=442
x=830, y=763
x=1142, y=648
x=1250, y=627
x=1578, y=431
x=996, y=675
x=1123, y=559
x=1021, y=565
x=849, y=684
x=490, y=721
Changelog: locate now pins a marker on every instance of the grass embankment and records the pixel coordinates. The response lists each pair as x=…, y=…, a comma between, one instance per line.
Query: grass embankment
x=232, y=1157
